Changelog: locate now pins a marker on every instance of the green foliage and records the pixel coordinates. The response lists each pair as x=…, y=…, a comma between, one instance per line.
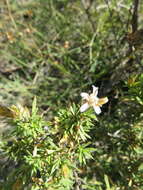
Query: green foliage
x=49, y=154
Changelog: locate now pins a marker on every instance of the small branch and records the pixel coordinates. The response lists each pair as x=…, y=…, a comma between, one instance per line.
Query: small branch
x=10, y=14
x=111, y=15
x=90, y=47
x=134, y=21
x=77, y=181
x=86, y=9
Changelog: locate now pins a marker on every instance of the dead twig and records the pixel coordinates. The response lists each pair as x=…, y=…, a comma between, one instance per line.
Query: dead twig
x=10, y=14
x=134, y=21
x=77, y=181
x=87, y=11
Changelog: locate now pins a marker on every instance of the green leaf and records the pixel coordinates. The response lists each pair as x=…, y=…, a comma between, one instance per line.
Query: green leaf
x=107, y=182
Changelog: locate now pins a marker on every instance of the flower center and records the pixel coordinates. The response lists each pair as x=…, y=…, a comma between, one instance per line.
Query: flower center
x=93, y=100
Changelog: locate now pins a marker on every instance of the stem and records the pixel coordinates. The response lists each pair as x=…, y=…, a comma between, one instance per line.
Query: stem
x=86, y=9
x=10, y=14
x=134, y=21
x=77, y=181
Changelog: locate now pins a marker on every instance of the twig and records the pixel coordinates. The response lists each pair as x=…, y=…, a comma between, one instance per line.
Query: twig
x=86, y=9
x=134, y=24
x=91, y=46
x=111, y=14
x=134, y=21
x=77, y=181
x=10, y=15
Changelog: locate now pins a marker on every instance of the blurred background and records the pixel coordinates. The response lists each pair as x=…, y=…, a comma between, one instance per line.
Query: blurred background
x=56, y=49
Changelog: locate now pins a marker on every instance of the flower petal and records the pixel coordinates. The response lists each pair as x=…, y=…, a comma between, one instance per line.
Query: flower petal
x=97, y=109
x=102, y=101
x=84, y=107
x=84, y=95
x=95, y=90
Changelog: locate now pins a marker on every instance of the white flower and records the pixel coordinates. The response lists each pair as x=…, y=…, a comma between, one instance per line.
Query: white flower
x=91, y=100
